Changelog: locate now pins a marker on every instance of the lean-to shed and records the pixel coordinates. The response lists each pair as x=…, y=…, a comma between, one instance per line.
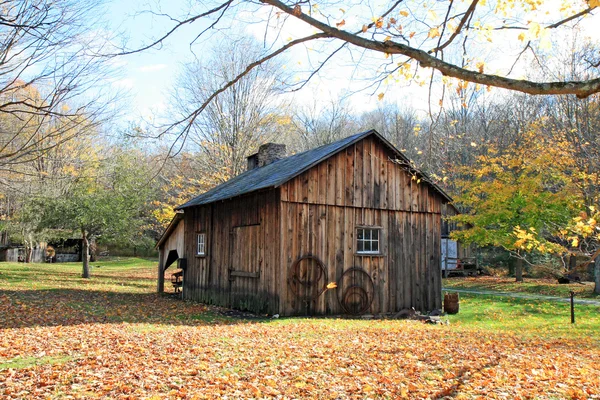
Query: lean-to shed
x=353, y=212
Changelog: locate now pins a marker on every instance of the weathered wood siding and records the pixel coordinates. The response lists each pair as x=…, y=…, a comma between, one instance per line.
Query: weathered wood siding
x=242, y=235
x=364, y=176
x=362, y=186
x=175, y=241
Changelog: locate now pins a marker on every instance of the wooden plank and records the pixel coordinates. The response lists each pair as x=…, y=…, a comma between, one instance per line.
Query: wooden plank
x=382, y=221
x=313, y=185
x=369, y=173
x=244, y=274
x=276, y=248
x=322, y=183
x=359, y=166
x=285, y=307
x=409, y=261
x=416, y=243
x=292, y=195
x=349, y=177
x=296, y=239
x=321, y=252
x=331, y=184
x=392, y=187
x=284, y=192
x=414, y=193
x=340, y=178
x=376, y=176
x=266, y=266
x=423, y=196
x=330, y=258
x=401, y=182
x=383, y=180
x=304, y=182
x=426, y=260
x=406, y=191
x=422, y=259
x=348, y=231
x=437, y=261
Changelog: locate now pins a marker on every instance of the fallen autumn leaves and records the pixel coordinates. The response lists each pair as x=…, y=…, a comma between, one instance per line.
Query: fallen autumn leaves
x=137, y=345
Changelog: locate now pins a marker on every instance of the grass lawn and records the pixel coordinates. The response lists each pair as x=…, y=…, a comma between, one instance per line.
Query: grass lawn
x=111, y=336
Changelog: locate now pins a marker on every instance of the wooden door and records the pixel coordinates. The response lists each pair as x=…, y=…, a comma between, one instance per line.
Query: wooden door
x=246, y=263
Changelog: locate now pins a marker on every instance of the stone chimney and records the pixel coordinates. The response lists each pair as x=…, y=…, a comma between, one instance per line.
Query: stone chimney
x=252, y=161
x=267, y=154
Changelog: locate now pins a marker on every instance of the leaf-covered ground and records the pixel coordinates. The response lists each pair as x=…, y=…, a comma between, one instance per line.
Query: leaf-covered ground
x=112, y=337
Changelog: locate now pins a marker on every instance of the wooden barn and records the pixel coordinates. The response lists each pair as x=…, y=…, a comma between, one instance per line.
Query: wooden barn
x=275, y=238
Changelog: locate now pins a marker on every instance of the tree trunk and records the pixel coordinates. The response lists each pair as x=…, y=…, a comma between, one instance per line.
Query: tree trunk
x=597, y=276
x=28, y=253
x=572, y=262
x=519, y=269
x=93, y=249
x=84, y=254
x=28, y=248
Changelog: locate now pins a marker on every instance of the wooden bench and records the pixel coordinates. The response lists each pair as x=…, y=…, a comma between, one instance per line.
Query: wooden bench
x=177, y=281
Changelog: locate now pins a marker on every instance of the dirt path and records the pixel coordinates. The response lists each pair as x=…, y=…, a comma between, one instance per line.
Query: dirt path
x=525, y=296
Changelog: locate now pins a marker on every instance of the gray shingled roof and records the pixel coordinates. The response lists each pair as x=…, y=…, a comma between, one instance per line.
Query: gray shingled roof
x=281, y=171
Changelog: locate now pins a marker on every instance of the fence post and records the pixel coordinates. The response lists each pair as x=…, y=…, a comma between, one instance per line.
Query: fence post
x=572, y=307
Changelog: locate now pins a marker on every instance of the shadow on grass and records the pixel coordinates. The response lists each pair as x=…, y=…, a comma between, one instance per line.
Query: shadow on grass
x=65, y=307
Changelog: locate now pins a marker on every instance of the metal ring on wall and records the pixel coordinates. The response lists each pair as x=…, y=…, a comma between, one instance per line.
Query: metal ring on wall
x=297, y=281
x=354, y=290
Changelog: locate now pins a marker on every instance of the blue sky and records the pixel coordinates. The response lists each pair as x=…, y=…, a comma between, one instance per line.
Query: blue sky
x=149, y=76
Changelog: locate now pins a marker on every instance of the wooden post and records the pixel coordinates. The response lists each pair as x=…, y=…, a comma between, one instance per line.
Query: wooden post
x=160, y=286
x=597, y=277
x=445, y=270
x=572, y=307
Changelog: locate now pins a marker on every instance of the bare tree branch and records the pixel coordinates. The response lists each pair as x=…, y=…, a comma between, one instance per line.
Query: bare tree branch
x=581, y=89
x=220, y=8
x=459, y=28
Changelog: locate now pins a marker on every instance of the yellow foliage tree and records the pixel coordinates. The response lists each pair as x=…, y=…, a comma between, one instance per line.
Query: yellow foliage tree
x=518, y=199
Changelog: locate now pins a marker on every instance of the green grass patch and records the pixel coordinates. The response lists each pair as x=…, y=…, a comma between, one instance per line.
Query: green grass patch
x=28, y=362
x=117, y=275
x=526, y=317
x=546, y=287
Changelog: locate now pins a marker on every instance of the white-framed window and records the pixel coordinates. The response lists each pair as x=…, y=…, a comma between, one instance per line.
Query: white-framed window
x=201, y=244
x=368, y=240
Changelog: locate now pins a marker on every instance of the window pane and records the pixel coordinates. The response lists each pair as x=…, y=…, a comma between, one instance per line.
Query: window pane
x=367, y=246
x=360, y=246
x=375, y=234
x=360, y=234
x=375, y=246
x=200, y=243
x=367, y=234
